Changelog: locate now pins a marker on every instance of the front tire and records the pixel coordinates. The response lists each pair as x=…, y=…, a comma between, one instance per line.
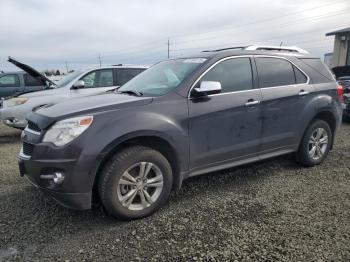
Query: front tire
x=315, y=144
x=135, y=183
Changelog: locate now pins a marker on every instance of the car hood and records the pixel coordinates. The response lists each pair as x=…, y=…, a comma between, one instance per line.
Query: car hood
x=48, y=92
x=92, y=105
x=34, y=73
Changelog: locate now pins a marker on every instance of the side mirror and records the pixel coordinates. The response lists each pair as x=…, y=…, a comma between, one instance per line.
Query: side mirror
x=208, y=88
x=79, y=84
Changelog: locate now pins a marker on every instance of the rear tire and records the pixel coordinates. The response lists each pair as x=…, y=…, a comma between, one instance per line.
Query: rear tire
x=135, y=183
x=315, y=144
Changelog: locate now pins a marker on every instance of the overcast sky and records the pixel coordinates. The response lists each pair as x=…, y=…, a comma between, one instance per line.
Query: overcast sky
x=46, y=33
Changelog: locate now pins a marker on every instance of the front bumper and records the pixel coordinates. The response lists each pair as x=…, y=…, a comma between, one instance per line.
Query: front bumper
x=33, y=169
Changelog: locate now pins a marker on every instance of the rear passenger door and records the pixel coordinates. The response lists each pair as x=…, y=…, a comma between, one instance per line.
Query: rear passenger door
x=225, y=127
x=124, y=75
x=285, y=92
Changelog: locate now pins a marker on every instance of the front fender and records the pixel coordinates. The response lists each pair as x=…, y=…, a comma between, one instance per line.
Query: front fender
x=110, y=131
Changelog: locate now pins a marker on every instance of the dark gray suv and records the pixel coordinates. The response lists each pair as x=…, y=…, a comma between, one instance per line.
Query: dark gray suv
x=181, y=118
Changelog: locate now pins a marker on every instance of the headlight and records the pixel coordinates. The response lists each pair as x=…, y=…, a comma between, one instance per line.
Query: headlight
x=16, y=101
x=66, y=130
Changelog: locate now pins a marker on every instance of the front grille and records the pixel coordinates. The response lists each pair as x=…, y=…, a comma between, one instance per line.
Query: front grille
x=27, y=149
x=33, y=126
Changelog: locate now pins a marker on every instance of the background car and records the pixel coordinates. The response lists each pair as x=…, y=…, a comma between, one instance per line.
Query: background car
x=29, y=80
x=344, y=81
x=77, y=84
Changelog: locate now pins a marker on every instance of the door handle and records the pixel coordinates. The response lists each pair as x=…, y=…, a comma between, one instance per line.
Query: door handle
x=303, y=93
x=252, y=102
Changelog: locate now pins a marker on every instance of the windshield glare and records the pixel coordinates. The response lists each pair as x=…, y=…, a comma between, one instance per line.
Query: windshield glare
x=162, y=77
x=68, y=78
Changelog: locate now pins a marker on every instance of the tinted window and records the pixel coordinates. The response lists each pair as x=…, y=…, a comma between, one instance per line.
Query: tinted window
x=233, y=74
x=300, y=78
x=31, y=81
x=126, y=74
x=99, y=78
x=317, y=65
x=274, y=72
x=9, y=80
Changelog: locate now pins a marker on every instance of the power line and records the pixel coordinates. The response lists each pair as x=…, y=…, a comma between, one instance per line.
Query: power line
x=142, y=47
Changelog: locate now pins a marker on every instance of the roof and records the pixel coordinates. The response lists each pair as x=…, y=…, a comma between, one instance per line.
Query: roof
x=337, y=32
x=234, y=52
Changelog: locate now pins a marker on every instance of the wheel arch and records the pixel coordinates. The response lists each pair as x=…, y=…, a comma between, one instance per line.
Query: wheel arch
x=154, y=140
x=327, y=116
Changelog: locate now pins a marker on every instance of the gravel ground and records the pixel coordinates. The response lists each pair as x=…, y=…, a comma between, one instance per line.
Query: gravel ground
x=272, y=210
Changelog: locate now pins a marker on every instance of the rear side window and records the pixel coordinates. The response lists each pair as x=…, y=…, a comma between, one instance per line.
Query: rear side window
x=32, y=81
x=317, y=65
x=9, y=81
x=274, y=72
x=124, y=75
x=234, y=75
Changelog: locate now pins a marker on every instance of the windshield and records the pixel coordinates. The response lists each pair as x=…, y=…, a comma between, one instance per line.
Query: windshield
x=68, y=78
x=163, y=77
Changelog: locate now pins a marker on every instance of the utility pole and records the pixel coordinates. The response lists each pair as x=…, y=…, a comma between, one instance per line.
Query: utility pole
x=99, y=58
x=66, y=66
x=281, y=43
x=168, y=48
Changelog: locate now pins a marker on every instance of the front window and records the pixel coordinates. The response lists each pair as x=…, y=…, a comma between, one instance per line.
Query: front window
x=233, y=74
x=99, y=78
x=68, y=78
x=9, y=81
x=163, y=77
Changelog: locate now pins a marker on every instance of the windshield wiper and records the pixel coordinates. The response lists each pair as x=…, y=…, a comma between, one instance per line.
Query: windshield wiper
x=129, y=92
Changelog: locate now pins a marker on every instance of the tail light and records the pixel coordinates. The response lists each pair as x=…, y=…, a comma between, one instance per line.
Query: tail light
x=340, y=92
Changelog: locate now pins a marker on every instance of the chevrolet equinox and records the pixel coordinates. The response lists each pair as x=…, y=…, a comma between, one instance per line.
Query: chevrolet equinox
x=182, y=118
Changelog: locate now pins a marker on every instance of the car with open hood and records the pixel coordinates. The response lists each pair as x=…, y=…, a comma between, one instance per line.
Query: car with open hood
x=182, y=117
x=28, y=80
x=80, y=83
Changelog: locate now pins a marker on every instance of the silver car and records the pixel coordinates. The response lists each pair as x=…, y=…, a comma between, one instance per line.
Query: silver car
x=13, y=111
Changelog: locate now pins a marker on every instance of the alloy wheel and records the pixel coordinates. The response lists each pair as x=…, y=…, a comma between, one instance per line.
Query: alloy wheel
x=318, y=143
x=140, y=186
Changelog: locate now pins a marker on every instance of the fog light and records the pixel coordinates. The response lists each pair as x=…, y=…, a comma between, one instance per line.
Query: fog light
x=10, y=121
x=56, y=177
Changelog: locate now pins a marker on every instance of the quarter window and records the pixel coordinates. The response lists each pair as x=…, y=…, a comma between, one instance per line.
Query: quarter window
x=234, y=75
x=99, y=78
x=274, y=72
x=9, y=81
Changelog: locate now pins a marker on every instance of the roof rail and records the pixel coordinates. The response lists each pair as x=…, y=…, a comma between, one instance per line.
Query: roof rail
x=224, y=49
x=294, y=49
x=277, y=48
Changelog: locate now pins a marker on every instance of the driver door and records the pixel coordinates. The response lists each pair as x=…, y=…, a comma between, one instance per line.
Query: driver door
x=226, y=127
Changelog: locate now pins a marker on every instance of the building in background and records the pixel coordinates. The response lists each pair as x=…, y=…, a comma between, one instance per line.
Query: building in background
x=341, y=49
x=328, y=57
